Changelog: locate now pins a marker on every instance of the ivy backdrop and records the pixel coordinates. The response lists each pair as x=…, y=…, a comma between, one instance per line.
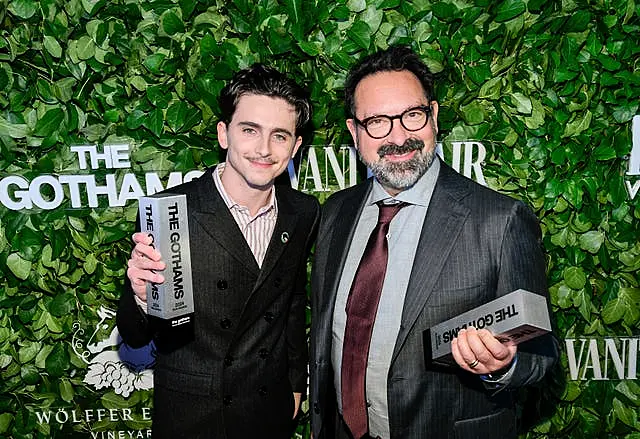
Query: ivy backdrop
x=549, y=86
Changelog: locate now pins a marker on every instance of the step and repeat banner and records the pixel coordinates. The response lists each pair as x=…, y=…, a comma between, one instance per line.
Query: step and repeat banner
x=104, y=101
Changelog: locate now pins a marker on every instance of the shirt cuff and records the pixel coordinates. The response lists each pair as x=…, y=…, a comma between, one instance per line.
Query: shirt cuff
x=502, y=376
x=141, y=303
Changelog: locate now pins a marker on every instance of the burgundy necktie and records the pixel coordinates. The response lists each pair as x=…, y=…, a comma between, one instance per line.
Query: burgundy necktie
x=362, y=305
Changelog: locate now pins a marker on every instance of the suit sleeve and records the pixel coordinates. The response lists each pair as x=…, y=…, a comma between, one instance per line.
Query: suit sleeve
x=296, y=326
x=522, y=265
x=132, y=322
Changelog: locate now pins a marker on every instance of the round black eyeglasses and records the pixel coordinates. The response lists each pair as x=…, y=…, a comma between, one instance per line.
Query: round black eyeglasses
x=380, y=126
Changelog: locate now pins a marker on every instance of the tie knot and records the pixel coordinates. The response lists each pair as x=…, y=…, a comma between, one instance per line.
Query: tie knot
x=386, y=212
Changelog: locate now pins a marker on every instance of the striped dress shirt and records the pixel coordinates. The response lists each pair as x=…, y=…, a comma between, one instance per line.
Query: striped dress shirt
x=256, y=229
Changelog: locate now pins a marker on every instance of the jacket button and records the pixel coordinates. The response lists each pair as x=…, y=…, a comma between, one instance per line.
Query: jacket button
x=225, y=323
x=316, y=407
x=268, y=316
x=262, y=390
x=277, y=282
x=228, y=360
x=263, y=353
x=227, y=400
x=222, y=284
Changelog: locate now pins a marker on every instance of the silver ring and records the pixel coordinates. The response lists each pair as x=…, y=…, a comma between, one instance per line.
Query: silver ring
x=473, y=364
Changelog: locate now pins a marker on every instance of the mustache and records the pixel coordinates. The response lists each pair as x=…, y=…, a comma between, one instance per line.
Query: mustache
x=266, y=160
x=408, y=146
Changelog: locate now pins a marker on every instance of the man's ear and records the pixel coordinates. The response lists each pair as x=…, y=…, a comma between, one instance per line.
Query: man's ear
x=434, y=115
x=222, y=135
x=296, y=147
x=353, y=129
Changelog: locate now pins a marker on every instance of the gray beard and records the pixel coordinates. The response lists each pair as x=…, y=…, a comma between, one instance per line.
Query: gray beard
x=402, y=175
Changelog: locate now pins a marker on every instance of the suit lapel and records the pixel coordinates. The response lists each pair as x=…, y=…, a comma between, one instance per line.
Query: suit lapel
x=444, y=220
x=283, y=231
x=214, y=217
x=343, y=227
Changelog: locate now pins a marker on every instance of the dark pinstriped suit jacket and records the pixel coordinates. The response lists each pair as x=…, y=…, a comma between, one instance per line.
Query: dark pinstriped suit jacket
x=475, y=245
x=237, y=376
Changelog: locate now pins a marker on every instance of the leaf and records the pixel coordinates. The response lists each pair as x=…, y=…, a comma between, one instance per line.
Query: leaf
x=16, y=131
x=28, y=351
x=18, y=266
x=310, y=48
x=624, y=113
x=52, y=46
x=29, y=374
x=57, y=361
x=608, y=62
x=49, y=123
x=575, y=277
x=63, y=89
x=473, y=113
x=360, y=33
x=86, y=48
x=631, y=390
x=171, y=23
x=357, y=5
x=578, y=125
x=154, y=62
x=154, y=122
x=66, y=390
x=490, y=89
x=5, y=422
x=613, y=311
x=135, y=119
x=293, y=9
x=625, y=413
x=62, y=304
x=176, y=114
x=604, y=152
x=522, y=103
x=23, y=8
x=560, y=238
x=90, y=264
x=29, y=242
x=509, y=9
x=591, y=241
x=479, y=73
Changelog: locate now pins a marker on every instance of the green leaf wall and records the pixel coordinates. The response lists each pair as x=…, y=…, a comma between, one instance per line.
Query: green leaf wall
x=550, y=87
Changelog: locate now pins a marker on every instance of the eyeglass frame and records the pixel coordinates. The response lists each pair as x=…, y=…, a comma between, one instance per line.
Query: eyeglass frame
x=363, y=123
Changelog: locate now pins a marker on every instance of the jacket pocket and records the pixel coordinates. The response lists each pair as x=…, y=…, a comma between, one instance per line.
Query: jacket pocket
x=500, y=425
x=181, y=381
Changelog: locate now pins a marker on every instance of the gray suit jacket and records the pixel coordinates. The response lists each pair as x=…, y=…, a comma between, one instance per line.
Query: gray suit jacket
x=475, y=245
x=236, y=374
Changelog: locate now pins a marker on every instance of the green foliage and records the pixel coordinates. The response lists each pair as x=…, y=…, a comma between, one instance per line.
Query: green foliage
x=551, y=86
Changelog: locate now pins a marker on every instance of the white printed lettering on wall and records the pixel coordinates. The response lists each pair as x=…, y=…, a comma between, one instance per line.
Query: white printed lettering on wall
x=602, y=359
x=634, y=158
x=322, y=169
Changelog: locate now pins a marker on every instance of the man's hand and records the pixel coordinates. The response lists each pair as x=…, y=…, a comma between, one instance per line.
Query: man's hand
x=297, y=399
x=142, y=265
x=479, y=352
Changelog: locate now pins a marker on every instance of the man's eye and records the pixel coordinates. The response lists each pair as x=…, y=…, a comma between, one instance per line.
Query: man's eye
x=248, y=130
x=280, y=137
x=375, y=122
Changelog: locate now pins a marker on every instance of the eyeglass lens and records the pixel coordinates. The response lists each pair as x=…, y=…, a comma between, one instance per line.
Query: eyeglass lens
x=413, y=119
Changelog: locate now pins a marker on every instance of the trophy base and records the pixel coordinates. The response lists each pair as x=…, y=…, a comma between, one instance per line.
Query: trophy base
x=172, y=334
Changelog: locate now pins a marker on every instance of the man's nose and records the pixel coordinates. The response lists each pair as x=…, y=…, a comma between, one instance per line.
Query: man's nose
x=398, y=134
x=263, y=148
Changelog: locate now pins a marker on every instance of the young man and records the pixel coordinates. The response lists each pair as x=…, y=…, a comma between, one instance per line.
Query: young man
x=244, y=371
x=441, y=245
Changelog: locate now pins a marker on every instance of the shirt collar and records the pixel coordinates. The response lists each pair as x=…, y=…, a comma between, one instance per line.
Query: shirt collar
x=418, y=194
x=231, y=204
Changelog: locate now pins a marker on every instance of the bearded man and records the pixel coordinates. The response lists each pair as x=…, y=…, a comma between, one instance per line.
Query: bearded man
x=407, y=249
